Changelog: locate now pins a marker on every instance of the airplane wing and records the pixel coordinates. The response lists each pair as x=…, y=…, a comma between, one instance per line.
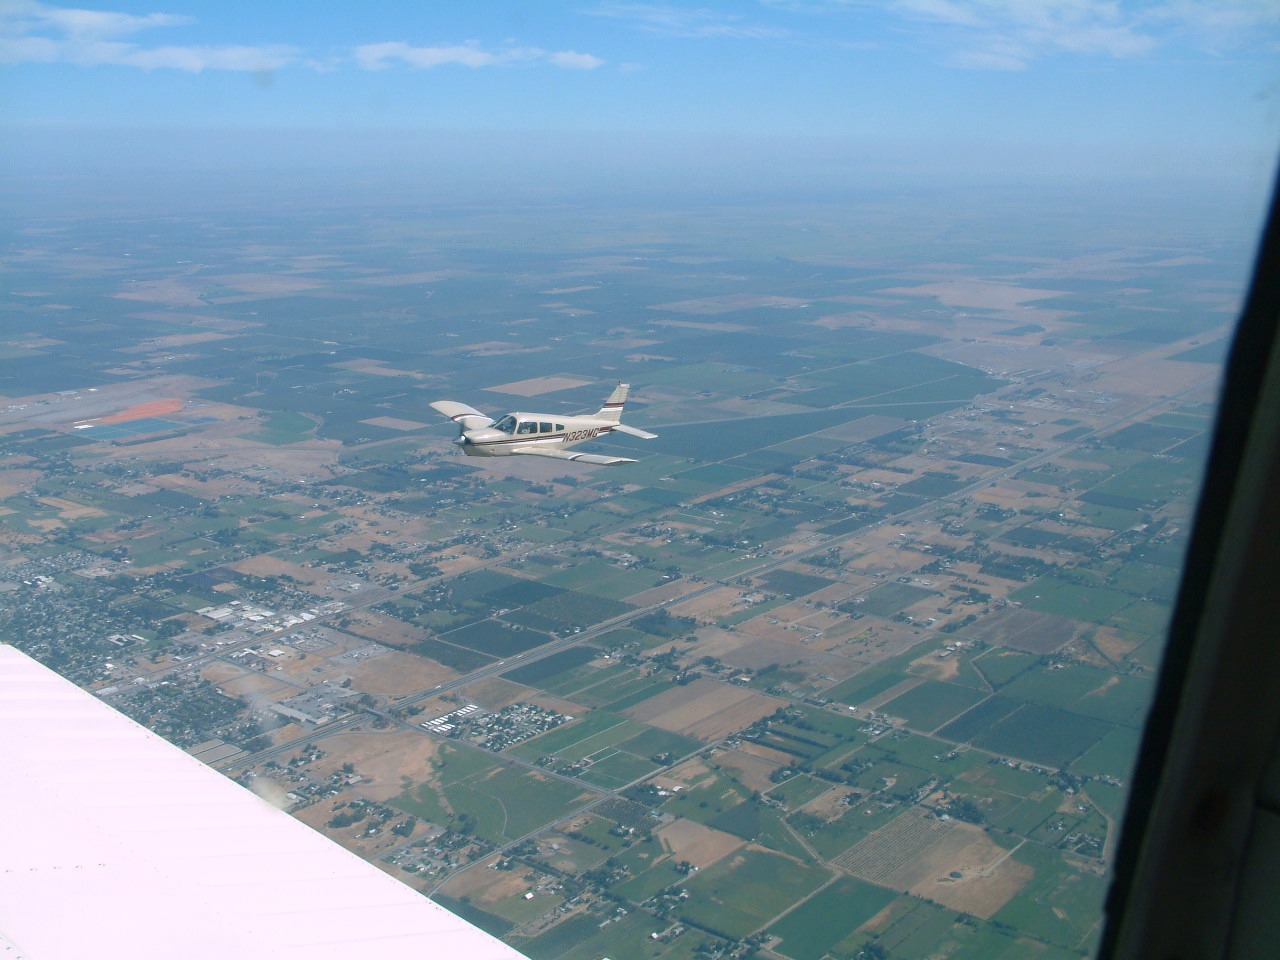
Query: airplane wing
x=469, y=418
x=575, y=457
x=635, y=431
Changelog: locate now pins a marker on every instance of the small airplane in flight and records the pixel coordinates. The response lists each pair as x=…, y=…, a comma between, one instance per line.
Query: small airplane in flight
x=539, y=434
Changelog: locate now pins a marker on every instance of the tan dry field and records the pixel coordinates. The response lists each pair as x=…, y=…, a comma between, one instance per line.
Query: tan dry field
x=795, y=620
x=751, y=772
x=258, y=688
x=989, y=876
x=699, y=845
x=317, y=815
x=223, y=447
x=741, y=485
x=727, y=303
x=494, y=693
x=388, y=762
x=486, y=886
x=1148, y=378
x=895, y=691
x=537, y=386
x=176, y=340
x=171, y=293
x=767, y=754
x=672, y=591
x=220, y=324
x=934, y=666
x=829, y=806
x=1114, y=644
x=686, y=776
x=705, y=709
x=983, y=294
x=397, y=674
x=69, y=509
x=266, y=565
x=917, y=853
x=491, y=348
x=745, y=652
x=375, y=368
x=405, y=279
x=383, y=629
x=717, y=603
x=395, y=423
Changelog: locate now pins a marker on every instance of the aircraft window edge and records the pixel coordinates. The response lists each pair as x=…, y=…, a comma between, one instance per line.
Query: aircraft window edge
x=1131, y=913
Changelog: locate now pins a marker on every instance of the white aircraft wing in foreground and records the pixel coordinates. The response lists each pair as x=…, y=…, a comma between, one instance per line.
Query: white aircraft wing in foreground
x=116, y=844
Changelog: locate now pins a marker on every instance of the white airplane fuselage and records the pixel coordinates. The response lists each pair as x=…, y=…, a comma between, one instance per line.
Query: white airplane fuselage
x=522, y=432
x=540, y=434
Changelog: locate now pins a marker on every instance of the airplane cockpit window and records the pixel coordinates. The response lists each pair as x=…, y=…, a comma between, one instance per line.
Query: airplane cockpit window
x=527, y=427
x=507, y=424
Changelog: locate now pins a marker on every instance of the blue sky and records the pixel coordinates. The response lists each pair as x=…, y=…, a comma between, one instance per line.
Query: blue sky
x=1176, y=83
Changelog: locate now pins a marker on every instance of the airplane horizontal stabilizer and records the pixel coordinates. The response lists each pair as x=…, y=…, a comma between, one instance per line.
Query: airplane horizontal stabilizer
x=635, y=431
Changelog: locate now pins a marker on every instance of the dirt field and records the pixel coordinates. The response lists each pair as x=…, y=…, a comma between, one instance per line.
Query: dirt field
x=388, y=762
x=701, y=846
x=986, y=294
x=396, y=674
x=751, y=772
x=1116, y=645
x=540, y=385
x=933, y=666
x=257, y=688
x=717, y=603
x=385, y=630
x=918, y=853
x=895, y=691
x=705, y=709
x=16, y=481
x=69, y=509
x=265, y=565
x=405, y=279
x=494, y=693
x=988, y=880
x=1149, y=378
x=727, y=303
x=484, y=885
x=655, y=595
x=395, y=423
x=828, y=806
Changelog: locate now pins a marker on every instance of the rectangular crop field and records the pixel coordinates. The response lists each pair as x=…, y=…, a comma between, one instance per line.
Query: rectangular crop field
x=744, y=892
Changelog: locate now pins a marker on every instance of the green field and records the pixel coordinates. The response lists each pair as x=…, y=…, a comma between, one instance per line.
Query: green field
x=932, y=704
x=1043, y=734
x=743, y=892
x=486, y=790
x=825, y=919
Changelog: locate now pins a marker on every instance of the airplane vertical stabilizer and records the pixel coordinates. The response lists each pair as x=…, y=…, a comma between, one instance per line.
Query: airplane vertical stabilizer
x=612, y=409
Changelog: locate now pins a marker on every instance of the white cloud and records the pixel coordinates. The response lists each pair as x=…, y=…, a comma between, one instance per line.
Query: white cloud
x=33, y=32
x=1012, y=34
x=676, y=21
x=380, y=56
x=572, y=60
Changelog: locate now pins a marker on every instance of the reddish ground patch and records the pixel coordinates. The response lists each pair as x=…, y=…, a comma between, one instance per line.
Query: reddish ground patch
x=152, y=408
